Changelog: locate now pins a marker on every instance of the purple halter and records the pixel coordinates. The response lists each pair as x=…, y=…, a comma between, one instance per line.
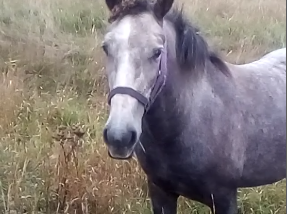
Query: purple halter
x=156, y=89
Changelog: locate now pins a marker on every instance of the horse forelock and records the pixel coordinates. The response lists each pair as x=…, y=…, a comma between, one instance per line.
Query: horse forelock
x=129, y=7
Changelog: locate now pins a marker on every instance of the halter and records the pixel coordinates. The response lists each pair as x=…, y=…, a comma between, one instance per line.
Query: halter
x=156, y=89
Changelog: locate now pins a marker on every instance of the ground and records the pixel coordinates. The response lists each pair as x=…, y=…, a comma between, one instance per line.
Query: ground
x=53, y=104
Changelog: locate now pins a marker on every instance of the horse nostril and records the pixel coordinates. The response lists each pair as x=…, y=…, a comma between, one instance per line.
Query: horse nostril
x=105, y=135
x=133, y=136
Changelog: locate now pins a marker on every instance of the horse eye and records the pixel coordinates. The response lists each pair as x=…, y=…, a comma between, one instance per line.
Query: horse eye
x=105, y=49
x=157, y=53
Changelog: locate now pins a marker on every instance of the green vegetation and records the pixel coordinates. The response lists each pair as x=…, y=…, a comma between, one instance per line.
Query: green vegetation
x=53, y=105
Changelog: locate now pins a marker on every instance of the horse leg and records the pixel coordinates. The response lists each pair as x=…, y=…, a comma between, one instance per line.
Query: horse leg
x=225, y=201
x=162, y=202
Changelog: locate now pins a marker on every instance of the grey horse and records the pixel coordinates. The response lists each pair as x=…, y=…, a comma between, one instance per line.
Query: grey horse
x=200, y=127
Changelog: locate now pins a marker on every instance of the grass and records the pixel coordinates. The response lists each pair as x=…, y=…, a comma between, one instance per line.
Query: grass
x=53, y=104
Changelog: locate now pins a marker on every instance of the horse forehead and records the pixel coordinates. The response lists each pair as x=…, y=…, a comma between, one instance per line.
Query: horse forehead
x=120, y=32
x=134, y=30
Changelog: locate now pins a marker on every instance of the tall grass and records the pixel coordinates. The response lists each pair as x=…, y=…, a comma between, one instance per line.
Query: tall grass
x=53, y=104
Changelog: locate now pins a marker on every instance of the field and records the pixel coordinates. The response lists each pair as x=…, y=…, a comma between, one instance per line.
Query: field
x=53, y=104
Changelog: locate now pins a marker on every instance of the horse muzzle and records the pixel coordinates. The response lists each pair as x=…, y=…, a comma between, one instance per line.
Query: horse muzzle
x=121, y=144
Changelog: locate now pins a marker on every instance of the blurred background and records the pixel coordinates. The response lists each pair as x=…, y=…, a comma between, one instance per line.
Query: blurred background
x=53, y=104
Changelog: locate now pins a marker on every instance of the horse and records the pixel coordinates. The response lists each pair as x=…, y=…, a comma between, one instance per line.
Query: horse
x=200, y=127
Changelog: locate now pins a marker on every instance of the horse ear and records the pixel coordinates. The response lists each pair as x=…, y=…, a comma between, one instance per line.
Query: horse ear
x=112, y=3
x=161, y=7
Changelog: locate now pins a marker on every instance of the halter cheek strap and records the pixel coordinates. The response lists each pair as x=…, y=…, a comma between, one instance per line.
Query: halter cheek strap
x=156, y=89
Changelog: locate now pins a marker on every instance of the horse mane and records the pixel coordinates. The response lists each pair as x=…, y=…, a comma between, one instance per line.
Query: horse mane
x=191, y=48
x=192, y=51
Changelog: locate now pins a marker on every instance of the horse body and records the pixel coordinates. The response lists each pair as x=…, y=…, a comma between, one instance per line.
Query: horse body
x=214, y=127
x=232, y=134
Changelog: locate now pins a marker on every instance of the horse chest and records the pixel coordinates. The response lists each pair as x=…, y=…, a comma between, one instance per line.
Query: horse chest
x=171, y=174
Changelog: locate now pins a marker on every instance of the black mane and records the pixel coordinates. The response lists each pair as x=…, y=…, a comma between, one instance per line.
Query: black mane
x=192, y=50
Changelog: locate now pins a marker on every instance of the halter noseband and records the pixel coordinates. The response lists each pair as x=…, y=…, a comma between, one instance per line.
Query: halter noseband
x=156, y=89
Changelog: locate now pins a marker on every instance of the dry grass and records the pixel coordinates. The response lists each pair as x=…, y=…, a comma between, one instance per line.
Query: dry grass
x=52, y=158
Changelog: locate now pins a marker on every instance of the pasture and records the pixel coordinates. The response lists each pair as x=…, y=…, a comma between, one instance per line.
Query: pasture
x=53, y=104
